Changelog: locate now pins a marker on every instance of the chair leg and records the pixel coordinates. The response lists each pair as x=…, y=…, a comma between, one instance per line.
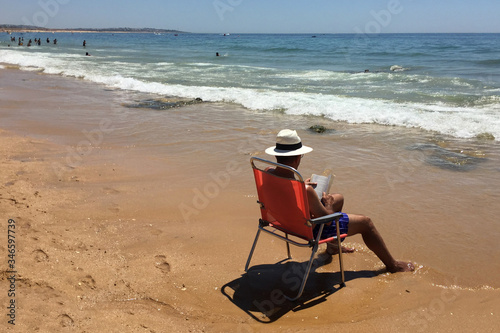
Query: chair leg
x=253, y=248
x=340, y=254
x=288, y=248
x=306, y=275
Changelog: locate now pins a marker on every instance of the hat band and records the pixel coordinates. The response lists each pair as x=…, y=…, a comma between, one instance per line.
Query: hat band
x=295, y=146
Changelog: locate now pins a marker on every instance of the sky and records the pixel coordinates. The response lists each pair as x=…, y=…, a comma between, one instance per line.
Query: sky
x=261, y=16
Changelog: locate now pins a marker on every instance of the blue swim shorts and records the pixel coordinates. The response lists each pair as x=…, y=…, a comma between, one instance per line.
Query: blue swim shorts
x=331, y=230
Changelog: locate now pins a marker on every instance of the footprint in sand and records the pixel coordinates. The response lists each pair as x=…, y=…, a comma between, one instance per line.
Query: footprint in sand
x=88, y=281
x=40, y=255
x=65, y=320
x=162, y=264
x=115, y=208
x=155, y=232
x=123, y=285
x=110, y=190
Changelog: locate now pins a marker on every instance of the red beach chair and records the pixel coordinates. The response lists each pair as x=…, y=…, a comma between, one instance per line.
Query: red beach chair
x=285, y=210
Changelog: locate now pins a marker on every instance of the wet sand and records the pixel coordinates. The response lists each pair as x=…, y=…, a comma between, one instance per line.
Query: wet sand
x=133, y=219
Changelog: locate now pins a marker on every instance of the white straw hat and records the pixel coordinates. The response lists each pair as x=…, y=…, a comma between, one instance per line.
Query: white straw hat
x=288, y=144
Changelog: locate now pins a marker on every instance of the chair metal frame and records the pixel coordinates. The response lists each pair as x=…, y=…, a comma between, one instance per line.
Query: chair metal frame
x=305, y=241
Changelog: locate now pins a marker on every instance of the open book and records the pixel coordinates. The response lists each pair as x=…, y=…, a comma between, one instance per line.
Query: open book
x=324, y=183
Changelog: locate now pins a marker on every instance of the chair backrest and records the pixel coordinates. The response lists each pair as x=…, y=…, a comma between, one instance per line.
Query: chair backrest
x=283, y=201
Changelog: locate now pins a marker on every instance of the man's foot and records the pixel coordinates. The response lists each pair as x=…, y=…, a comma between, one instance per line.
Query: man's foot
x=401, y=266
x=333, y=249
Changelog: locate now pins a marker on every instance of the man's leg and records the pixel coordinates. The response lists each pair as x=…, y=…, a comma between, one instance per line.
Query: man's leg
x=360, y=224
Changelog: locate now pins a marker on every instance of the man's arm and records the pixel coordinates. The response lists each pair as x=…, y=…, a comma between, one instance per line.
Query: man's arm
x=316, y=207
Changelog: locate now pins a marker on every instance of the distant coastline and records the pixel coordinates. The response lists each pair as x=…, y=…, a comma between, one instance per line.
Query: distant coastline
x=29, y=28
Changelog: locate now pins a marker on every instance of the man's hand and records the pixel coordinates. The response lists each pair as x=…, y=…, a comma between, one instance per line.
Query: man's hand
x=328, y=201
x=309, y=183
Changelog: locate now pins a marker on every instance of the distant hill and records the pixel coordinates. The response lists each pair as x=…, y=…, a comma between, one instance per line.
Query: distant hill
x=28, y=28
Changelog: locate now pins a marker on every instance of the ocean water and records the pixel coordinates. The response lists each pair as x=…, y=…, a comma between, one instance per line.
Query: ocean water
x=444, y=83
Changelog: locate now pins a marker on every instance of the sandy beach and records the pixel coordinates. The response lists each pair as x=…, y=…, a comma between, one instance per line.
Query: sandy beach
x=138, y=220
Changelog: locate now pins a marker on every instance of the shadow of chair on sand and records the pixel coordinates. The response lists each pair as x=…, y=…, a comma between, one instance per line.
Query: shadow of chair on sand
x=260, y=291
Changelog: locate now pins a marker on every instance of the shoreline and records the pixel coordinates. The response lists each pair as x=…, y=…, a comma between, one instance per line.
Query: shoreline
x=104, y=244
x=90, y=31
x=111, y=30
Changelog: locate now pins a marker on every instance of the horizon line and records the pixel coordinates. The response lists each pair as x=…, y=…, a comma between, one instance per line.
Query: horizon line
x=27, y=28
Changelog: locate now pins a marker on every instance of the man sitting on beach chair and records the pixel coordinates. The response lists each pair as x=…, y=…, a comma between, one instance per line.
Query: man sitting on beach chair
x=289, y=151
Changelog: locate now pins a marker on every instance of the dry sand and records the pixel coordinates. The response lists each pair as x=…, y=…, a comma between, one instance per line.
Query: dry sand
x=121, y=229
